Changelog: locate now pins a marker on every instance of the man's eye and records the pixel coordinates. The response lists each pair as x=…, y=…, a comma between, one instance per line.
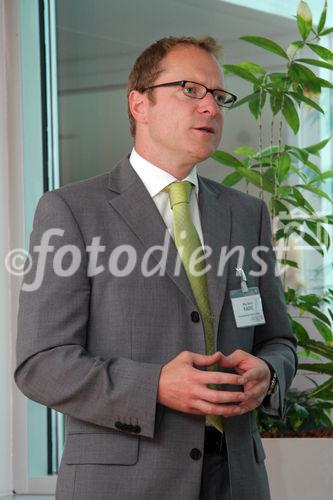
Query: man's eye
x=189, y=90
x=221, y=99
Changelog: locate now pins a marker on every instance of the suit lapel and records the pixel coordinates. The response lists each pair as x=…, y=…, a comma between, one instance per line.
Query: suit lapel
x=215, y=213
x=138, y=210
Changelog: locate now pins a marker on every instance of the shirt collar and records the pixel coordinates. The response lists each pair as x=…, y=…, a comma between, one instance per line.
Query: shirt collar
x=154, y=178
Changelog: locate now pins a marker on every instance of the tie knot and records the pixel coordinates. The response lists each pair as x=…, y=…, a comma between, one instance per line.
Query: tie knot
x=179, y=192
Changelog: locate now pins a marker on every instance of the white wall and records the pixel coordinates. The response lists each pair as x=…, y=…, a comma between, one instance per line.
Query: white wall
x=5, y=427
x=11, y=229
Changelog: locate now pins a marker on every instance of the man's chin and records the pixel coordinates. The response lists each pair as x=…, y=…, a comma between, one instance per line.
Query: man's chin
x=204, y=153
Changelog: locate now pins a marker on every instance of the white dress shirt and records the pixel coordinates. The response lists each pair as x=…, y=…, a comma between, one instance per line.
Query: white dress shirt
x=155, y=179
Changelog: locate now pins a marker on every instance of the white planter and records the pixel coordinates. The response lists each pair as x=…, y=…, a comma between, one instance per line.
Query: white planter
x=300, y=468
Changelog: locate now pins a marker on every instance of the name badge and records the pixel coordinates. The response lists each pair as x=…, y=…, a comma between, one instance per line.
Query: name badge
x=247, y=307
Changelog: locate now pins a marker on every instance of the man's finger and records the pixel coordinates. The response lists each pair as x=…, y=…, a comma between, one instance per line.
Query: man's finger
x=205, y=360
x=251, y=404
x=219, y=397
x=234, y=358
x=254, y=374
x=257, y=391
x=206, y=377
x=217, y=409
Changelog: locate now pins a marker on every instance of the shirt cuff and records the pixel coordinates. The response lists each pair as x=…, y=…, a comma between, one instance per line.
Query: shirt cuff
x=271, y=404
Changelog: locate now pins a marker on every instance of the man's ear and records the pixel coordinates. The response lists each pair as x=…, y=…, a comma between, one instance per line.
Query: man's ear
x=137, y=102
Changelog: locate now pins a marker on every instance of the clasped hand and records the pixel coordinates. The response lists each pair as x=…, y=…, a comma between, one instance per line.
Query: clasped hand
x=184, y=387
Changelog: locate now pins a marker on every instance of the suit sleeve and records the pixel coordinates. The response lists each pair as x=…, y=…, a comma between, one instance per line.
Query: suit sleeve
x=274, y=341
x=53, y=366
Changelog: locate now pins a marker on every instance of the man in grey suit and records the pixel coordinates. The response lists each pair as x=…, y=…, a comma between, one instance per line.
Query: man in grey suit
x=111, y=331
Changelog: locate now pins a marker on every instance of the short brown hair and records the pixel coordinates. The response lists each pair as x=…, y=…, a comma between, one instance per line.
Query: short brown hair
x=147, y=66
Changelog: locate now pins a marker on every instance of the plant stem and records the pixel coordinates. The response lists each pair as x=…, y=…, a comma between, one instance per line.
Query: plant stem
x=275, y=176
x=261, y=191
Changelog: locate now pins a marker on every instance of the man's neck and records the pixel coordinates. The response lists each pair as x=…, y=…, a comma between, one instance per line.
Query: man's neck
x=178, y=169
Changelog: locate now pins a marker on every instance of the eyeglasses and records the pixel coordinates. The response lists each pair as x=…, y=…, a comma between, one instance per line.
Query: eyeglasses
x=196, y=90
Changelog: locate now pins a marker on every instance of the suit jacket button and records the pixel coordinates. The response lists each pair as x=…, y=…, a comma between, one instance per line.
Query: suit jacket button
x=195, y=316
x=136, y=429
x=195, y=454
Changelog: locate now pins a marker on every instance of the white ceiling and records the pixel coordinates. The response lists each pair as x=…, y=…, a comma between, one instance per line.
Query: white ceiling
x=98, y=40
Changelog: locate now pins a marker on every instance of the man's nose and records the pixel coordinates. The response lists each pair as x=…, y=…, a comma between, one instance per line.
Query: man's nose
x=209, y=105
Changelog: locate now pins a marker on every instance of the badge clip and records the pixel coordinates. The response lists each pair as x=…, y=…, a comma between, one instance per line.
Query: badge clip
x=242, y=276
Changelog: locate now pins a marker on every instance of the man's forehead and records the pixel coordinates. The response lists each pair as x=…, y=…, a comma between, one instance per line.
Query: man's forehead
x=187, y=61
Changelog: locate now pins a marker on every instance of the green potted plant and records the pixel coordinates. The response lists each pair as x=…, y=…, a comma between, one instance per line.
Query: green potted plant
x=304, y=417
x=287, y=176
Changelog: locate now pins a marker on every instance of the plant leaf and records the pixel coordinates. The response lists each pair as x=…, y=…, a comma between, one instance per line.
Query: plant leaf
x=290, y=296
x=299, y=153
x=254, y=177
x=325, y=368
x=299, y=173
x=302, y=74
x=322, y=19
x=314, y=148
x=316, y=312
x=318, y=347
x=304, y=19
x=239, y=71
x=310, y=241
x=322, y=176
x=301, y=201
x=324, y=330
x=252, y=67
x=267, y=44
x=226, y=159
x=312, y=166
x=323, y=391
x=315, y=62
x=318, y=230
x=242, y=101
x=290, y=114
x=278, y=79
x=299, y=330
x=326, y=32
x=279, y=207
x=256, y=103
x=232, y=179
x=293, y=48
x=275, y=102
x=325, y=83
x=306, y=100
x=283, y=166
x=327, y=174
x=245, y=150
x=309, y=298
x=290, y=263
x=314, y=189
x=322, y=52
x=268, y=151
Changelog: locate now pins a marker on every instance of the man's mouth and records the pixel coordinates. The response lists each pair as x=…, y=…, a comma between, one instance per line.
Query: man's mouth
x=207, y=130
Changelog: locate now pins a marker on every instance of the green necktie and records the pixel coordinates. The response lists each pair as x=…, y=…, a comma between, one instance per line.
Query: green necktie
x=187, y=242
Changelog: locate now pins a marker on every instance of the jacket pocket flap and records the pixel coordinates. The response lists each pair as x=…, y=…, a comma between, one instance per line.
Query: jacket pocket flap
x=259, y=451
x=108, y=448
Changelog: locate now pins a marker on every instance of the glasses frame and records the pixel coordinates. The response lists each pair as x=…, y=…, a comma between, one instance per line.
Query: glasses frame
x=182, y=84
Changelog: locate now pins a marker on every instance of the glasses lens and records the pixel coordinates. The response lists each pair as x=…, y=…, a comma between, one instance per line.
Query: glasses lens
x=224, y=99
x=195, y=90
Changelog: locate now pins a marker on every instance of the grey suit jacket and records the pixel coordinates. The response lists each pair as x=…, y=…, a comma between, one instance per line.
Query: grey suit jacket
x=92, y=347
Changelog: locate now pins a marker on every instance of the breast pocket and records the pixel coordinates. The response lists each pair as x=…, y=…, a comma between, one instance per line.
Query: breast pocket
x=101, y=448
